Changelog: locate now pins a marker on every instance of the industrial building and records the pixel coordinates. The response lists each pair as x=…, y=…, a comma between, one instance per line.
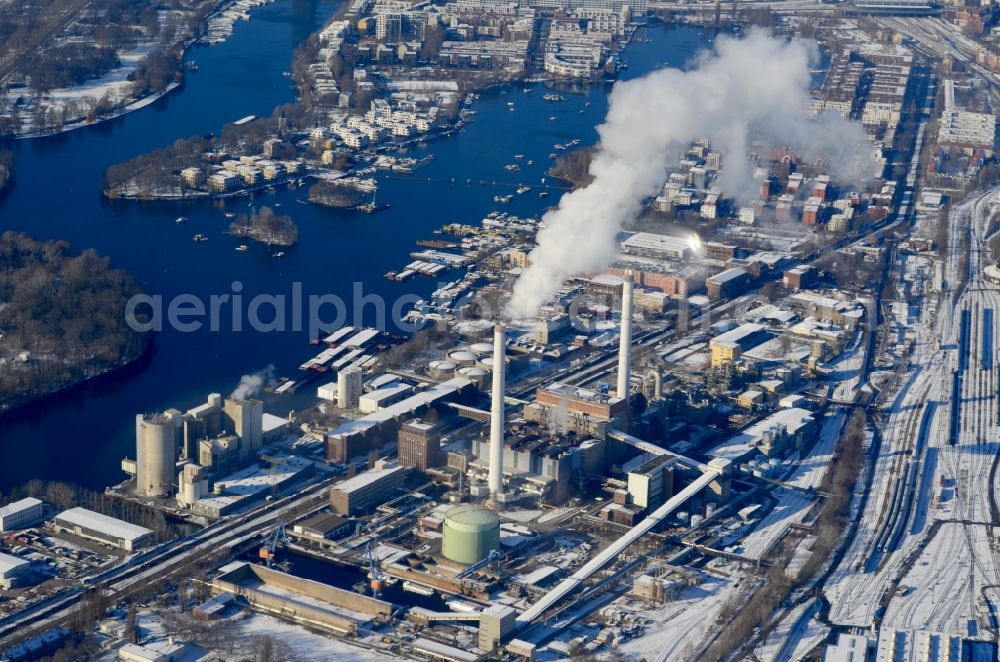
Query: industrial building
x=576, y=409
x=380, y=399
x=303, y=600
x=21, y=514
x=192, y=485
x=368, y=489
x=848, y=313
x=356, y=438
x=913, y=645
x=772, y=437
x=244, y=418
x=220, y=435
x=420, y=445
x=349, y=382
x=652, y=482
x=470, y=534
x=537, y=467
x=14, y=571
x=661, y=246
x=219, y=455
x=159, y=651
x=728, y=347
x=107, y=530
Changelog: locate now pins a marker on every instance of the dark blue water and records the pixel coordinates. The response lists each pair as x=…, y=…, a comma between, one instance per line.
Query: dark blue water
x=346, y=578
x=82, y=435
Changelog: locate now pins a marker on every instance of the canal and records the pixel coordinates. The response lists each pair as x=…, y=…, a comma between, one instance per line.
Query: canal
x=347, y=578
x=81, y=435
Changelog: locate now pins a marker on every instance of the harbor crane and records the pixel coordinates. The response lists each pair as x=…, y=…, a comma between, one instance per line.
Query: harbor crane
x=278, y=537
x=376, y=577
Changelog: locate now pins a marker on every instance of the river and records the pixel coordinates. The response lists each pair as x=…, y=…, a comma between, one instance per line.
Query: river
x=81, y=435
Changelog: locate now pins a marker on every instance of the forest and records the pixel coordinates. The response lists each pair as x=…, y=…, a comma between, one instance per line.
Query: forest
x=70, y=64
x=62, y=318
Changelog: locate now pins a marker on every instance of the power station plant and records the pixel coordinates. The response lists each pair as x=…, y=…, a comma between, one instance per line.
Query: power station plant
x=178, y=452
x=556, y=445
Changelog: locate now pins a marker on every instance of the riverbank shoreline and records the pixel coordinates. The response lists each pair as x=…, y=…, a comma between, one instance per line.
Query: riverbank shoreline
x=145, y=100
x=121, y=369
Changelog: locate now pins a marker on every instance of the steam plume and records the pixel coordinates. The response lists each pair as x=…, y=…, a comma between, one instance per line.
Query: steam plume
x=250, y=385
x=753, y=89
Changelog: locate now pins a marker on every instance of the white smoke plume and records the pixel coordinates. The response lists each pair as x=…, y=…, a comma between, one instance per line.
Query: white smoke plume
x=250, y=385
x=752, y=90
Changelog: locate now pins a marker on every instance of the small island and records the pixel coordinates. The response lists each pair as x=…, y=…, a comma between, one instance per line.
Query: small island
x=62, y=318
x=266, y=227
x=336, y=194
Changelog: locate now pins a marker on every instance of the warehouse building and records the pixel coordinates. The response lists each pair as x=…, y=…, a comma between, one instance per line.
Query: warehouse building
x=21, y=514
x=727, y=284
x=13, y=571
x=107, y=530
x=324, y=526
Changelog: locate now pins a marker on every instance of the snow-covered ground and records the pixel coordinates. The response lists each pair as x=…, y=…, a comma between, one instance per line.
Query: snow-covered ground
x=305, y=644
x=934, y=577
x=941, y=591
x=793, y=505
x=792, y=631
x=675, y=629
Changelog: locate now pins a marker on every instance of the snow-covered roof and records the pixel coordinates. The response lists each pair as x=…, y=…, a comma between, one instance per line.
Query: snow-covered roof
x=18, y=506
x=8, y=563
x=110, y=526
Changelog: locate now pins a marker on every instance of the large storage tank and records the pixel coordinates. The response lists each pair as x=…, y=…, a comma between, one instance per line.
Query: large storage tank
x=462, y=357
x=155, y=454
x=441, y=369
x=475, y=375
x=470, y=534
x=481, y=348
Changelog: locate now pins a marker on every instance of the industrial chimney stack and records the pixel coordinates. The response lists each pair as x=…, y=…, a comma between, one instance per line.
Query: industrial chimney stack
x=497, y=411
x=625, y=350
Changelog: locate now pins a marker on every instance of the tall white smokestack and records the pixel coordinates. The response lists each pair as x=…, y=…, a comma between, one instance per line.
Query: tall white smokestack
x=497, y=410
x=625, y=350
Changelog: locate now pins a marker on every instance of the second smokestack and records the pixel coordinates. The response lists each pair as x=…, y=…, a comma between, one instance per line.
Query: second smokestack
x=497, y=411
x=625, y=349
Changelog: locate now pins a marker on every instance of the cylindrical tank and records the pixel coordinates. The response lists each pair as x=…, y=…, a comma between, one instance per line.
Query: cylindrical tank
x=462, y=357
x=487, y=362
x=696, y=520
x=475, y=375
x=441, y=369
x=470, y=534
x=481, y=348
x=156, y=454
